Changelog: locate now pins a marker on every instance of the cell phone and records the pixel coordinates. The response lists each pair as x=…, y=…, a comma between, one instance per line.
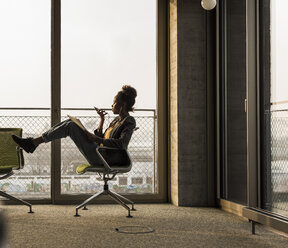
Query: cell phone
x=104, y=112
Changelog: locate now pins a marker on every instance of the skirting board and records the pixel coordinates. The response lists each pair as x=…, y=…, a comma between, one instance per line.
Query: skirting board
x=232, y=207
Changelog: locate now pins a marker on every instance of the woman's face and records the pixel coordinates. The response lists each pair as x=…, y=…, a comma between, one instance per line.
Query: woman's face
x=115, y=106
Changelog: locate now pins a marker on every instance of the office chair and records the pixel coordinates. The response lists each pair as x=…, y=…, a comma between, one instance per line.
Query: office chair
x=110, y=168
x=11, y=158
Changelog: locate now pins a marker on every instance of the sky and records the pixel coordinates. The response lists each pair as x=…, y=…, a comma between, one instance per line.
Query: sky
x=105, y=44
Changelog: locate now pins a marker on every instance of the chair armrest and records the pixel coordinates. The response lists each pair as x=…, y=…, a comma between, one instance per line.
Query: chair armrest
x=19, y=151
x=105, y=162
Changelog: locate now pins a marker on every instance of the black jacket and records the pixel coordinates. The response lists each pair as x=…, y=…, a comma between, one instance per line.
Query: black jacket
x=121, y=133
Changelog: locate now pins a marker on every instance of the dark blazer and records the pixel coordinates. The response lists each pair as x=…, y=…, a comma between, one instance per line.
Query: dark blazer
x=121, y=133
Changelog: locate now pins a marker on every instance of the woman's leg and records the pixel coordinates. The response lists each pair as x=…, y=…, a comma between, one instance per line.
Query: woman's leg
x=69, y=128
x=60, y=130
x=64, y=129
x=39, y=140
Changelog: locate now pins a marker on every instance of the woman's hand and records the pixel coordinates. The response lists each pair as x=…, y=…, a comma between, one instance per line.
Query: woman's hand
x=101, y=113
x=94, y=138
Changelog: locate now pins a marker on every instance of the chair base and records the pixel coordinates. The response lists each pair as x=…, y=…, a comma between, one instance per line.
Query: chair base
x=10, y=197
x=116, y=197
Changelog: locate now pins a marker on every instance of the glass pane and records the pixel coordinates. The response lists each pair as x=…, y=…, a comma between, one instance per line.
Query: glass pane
x=25, y=82
x=275, y=110
x=25, y=53
x=106, y=44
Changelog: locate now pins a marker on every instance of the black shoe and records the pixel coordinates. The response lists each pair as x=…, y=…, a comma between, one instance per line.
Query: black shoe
x=26, y=144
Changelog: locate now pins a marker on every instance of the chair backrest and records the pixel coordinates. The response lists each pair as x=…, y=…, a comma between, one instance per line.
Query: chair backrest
x=8, y=154
x=114, y=157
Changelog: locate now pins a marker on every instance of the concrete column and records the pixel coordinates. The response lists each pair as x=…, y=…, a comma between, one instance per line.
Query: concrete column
x=191, y=160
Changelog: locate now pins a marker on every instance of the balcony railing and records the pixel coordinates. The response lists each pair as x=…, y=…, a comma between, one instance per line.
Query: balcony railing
x=34, y=180
x=276, y=159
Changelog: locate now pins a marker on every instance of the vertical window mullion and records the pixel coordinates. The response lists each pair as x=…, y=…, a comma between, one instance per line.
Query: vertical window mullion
x=55, y=95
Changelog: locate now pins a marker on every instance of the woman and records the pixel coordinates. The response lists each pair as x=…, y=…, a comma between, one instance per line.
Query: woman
x=118, y=134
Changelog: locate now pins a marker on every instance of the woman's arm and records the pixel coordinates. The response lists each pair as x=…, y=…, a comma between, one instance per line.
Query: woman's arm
x=99, y=130
x=94, y=138
x=125, y=136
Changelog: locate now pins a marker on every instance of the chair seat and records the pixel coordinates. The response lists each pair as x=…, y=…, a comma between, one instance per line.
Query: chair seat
x=4, y=169
x=82, y=168
x=122, y=169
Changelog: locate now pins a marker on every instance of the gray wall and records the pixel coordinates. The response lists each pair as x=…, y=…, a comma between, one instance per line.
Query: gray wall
x=236, y=94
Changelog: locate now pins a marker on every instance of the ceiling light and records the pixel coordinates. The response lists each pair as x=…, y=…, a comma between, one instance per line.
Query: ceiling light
x=208, y=4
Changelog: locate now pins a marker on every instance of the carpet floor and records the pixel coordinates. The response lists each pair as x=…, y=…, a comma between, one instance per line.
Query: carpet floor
x=55, y=226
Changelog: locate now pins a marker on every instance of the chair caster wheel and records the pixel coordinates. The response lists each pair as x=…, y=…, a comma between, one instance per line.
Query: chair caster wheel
x=77, y=215
x=133, y=209
x=85, y=208
x=129, y=216
x=30, y=212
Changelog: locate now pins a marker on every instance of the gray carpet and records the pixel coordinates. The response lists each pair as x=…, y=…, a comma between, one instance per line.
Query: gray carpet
x=55, y=226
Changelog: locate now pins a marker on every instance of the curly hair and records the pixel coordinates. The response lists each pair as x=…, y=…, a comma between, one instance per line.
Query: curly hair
x=127, y=95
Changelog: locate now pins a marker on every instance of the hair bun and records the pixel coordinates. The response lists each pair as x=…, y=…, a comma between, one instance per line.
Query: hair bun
x=129, y=91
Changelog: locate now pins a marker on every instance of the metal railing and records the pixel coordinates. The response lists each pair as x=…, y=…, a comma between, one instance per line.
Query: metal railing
x=34, y=180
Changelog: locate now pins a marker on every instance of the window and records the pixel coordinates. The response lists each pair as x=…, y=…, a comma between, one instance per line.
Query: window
x=104, y=45
x=25, y=69
x=274, y=106
x=97, y=46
